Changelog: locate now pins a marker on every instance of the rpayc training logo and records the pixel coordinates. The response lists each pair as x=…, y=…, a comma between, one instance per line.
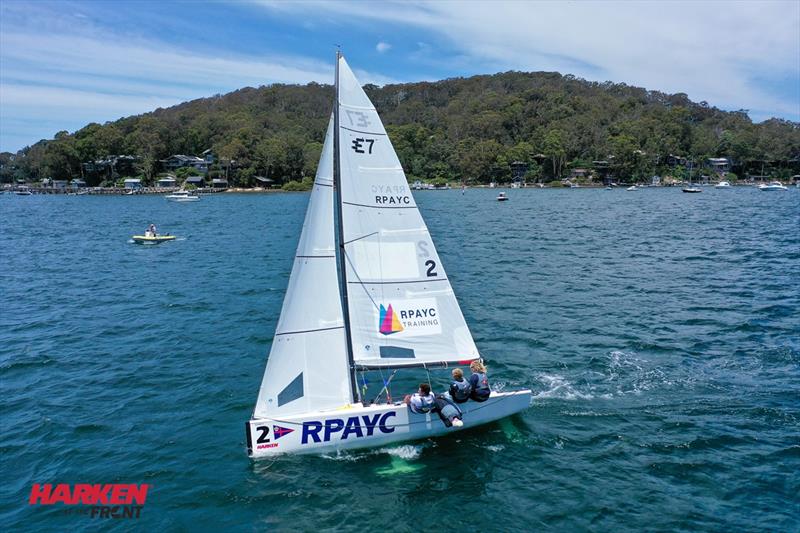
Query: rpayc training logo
x=388, y=321
x=409, y=318
x=112, y=500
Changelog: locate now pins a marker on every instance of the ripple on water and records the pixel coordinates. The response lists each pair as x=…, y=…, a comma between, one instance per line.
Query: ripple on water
x=658, y=333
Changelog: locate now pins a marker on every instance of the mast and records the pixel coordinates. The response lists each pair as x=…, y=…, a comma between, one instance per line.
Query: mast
x=337, y=191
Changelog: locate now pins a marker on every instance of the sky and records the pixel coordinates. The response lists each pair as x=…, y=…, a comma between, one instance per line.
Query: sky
x=64, y=64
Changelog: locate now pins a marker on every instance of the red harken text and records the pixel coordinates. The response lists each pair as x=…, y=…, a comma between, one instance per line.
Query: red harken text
x=89, y=494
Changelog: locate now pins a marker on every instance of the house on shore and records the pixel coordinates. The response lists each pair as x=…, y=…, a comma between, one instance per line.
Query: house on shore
x=219, y=183
x=197, y=181
x=168, y=181
x=518, y=171
x=174, y=162
x=261, y=181
x=111, y=166
x=209, y=156
x=77, y=183
x=579, y=174
x=133, y=183
x=720, y=165
x=676, y=160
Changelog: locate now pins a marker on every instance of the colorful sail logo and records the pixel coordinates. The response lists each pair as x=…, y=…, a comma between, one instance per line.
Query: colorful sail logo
x=388, y=321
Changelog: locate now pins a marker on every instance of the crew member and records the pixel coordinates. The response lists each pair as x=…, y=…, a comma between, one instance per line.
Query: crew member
x=460, y=388
x=479, y=382
x=421, y=401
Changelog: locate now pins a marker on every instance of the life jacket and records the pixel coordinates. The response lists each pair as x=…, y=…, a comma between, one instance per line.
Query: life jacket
x=482, y=391
x=422, y=404
x=460, y=390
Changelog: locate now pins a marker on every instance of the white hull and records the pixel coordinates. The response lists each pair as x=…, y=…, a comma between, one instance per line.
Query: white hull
x=183, y=199
x=357, y=427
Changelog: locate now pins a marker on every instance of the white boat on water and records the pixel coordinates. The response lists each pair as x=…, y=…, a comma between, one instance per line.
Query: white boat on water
x=723, y=185
x=182, y=196
x=773, y=186
x=387, y=308
x=691, y=188
x=502, y=197
x=632, y=188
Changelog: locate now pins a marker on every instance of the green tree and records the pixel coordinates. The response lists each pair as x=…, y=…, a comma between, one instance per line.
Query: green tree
x=553, y=148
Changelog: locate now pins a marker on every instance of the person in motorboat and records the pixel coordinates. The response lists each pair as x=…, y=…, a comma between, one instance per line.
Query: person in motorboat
x=460, y=388
x=422, y=401
x=151, y=231
x=479, y=382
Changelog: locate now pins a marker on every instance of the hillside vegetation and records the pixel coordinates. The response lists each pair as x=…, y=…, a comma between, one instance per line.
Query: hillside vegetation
x=458, y=129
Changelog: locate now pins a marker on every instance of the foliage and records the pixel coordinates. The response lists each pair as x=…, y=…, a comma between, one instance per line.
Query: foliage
x=467, y=129
x=295, y=186
x=185, y=172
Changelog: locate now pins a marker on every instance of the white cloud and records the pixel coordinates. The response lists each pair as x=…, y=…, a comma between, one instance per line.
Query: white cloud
x=733, y=55
x=382, y=47
x=92, y=76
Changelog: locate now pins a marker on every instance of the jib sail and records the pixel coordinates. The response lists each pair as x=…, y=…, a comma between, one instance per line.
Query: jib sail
x=307, y=369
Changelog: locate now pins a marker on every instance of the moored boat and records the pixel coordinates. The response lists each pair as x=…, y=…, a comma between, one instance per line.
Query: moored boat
x=182, y=196
x=502, y=197
x=773, y=186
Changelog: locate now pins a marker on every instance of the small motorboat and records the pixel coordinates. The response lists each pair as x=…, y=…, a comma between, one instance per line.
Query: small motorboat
x=609, y=188
x=723, y=185
x=502, y=197
x=182, y=196
x=632, y=188
x=148, y=238
x=151, y=236
x=773, y=186
x=692, y=189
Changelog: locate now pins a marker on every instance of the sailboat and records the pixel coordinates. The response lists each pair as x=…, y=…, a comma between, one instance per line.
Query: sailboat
x=367, y=293
x=691, y=188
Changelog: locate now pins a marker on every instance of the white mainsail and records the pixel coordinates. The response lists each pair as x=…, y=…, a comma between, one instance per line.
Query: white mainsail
x=402, y=309
x=308, y=368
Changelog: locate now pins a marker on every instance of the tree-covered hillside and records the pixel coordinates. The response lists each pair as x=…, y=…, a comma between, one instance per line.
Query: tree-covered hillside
x=458, y=129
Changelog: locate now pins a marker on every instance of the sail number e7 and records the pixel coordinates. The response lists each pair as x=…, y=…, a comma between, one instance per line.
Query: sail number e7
x=359, y=145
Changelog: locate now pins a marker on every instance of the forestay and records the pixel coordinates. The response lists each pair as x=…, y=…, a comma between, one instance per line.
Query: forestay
x=402, y=308
x=307, y=369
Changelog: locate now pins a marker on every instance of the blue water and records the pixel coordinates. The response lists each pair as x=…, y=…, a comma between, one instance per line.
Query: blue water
x=659, y=332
